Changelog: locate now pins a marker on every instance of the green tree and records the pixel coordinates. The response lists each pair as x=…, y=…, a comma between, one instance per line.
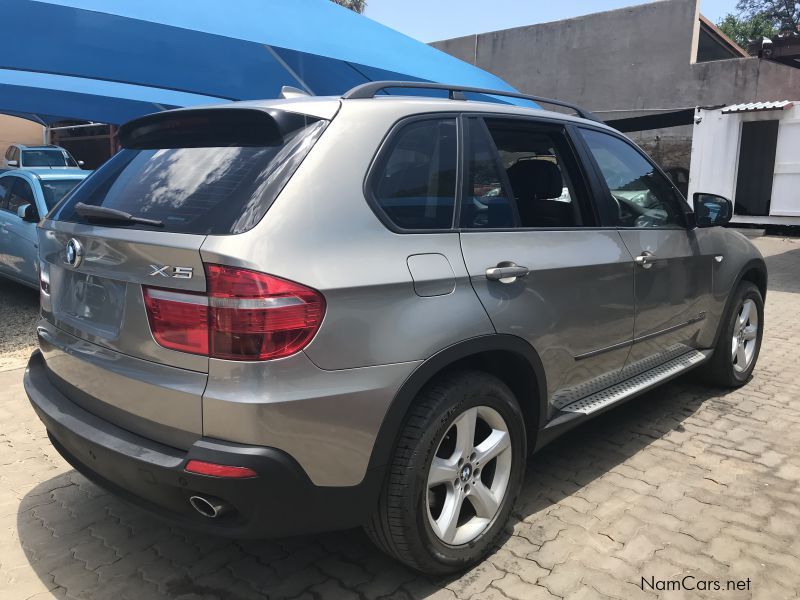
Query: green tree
x=743, y=29
x=354, y=5
x=781, y=13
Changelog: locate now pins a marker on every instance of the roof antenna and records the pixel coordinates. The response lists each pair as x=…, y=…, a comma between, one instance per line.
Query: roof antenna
x=288, y=91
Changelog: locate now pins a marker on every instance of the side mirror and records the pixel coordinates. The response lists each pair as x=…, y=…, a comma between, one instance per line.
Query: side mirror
x=28, y=213
x=711, y=210
x=13, y=163
x=81, y=163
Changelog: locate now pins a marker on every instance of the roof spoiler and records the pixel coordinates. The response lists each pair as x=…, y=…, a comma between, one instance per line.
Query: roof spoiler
x=211, y=128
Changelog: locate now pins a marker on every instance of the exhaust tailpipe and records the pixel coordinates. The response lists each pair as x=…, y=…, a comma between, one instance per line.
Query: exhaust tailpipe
x=209, y=507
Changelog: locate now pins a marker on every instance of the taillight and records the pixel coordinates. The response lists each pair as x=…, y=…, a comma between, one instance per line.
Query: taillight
x=244, y=316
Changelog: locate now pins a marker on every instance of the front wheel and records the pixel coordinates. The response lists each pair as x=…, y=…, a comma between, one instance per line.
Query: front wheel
x=456, y=472
x=739, y=340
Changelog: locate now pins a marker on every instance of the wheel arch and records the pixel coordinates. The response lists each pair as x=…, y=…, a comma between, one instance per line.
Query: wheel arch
x=754, y=271
x=510, y=358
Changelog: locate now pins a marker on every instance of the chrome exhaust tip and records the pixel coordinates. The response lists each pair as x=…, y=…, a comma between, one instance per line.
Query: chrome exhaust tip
x=211, y=508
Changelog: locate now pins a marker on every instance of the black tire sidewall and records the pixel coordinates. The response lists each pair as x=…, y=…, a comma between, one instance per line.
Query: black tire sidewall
x=467, y=392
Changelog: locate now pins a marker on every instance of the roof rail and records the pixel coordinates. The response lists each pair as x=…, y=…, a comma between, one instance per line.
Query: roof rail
x=368, y=90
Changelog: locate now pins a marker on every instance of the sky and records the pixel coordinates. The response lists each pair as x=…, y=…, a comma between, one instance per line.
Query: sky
x=431, y=20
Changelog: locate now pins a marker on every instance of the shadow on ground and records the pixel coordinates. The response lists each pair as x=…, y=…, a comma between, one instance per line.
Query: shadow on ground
x=781, y=269
x=89, y=544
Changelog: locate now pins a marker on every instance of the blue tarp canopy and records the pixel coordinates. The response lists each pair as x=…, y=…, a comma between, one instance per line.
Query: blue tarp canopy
x=109, y=61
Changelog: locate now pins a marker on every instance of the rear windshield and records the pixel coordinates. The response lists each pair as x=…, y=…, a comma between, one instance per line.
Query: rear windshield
x=212, y=190
x=47, y=158
x=55, y=189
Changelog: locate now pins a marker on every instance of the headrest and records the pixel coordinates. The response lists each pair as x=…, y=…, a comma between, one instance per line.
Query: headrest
x=535, y=180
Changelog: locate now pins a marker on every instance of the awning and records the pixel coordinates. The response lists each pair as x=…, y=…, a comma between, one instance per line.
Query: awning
x=661, y=120
x=757, y=107
x=110, y=61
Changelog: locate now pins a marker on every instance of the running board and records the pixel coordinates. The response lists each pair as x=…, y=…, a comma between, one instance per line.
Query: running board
x=636, y=385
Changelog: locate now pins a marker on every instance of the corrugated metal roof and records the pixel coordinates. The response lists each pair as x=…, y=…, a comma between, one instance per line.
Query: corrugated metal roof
x=757, y=106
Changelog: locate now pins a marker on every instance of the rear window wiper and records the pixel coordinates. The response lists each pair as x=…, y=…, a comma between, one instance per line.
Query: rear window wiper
x=89, y=211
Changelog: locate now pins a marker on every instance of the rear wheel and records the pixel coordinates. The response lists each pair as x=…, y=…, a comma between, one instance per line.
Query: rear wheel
x=456, y=472
x=739, y=341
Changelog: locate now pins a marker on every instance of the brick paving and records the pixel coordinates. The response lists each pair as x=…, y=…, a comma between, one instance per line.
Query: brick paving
x=686, y=481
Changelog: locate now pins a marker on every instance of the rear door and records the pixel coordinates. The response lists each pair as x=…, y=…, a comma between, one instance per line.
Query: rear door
x=673, y=276
x=181, y=178
x=541, y=264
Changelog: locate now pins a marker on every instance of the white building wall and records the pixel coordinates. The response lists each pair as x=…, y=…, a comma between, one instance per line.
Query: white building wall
x=715, y=156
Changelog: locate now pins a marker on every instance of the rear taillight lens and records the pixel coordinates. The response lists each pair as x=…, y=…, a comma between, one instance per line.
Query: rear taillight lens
x=245, y=316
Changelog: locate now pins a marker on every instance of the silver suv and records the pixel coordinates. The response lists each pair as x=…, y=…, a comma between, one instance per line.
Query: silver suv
x=275, y=317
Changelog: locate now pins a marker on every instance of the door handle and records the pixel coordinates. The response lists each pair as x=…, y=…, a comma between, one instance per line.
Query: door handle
x=506, y=272
x=645, y=259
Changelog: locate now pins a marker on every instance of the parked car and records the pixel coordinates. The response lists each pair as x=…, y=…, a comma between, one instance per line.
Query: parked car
x=19, y=156
x=277, y=317
x=25, y=196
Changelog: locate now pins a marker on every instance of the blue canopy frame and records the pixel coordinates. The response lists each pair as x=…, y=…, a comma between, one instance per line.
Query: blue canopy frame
x=108, y=62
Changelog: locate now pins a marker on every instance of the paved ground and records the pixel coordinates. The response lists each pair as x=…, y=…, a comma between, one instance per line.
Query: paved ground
x=687, y=480
x=19, y=306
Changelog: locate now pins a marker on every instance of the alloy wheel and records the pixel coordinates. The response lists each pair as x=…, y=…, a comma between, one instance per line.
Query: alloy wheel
x=468, y=476
x=745, y=336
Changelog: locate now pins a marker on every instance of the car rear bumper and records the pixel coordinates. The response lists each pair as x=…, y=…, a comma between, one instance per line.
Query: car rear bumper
x=282, y=500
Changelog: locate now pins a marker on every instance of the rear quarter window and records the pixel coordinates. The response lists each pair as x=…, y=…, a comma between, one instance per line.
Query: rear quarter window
x=201, y=189
x=414, y=183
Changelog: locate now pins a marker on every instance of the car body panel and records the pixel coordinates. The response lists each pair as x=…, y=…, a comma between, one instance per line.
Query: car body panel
x=673, y=295
x=576, y=341
x=156, y=401
x=328, y=425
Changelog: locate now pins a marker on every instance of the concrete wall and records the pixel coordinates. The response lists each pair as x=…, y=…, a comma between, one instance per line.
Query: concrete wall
x=19, y=131
x=624, y=62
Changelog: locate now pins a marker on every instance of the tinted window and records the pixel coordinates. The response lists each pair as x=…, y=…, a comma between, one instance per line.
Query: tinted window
x=643, y=196
x=5, y=186
x=517, y=176
x=46, y=158
x=201, y=190
x=416, y=179
x=55, y=189
x=21, y=194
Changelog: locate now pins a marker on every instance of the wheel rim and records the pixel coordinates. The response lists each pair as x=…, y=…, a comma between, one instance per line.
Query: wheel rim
x=745, y=336
x=468, y=477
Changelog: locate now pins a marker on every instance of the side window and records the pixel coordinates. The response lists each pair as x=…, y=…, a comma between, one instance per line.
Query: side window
x=518, y=176
x=5, y=185
x=21, y=194
x=643, y=196
x=415, y=182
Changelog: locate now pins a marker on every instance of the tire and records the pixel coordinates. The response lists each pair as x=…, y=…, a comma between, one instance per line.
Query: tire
x=725, y=366
x=411, y=520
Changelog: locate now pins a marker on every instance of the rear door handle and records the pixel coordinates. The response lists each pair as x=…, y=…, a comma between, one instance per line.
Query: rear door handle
x=506, y=272
x=645, y=259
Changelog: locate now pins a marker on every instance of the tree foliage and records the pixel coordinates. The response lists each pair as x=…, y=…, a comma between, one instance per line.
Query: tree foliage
x=761, y=18
x=354, y=5
x=744, y=29
x=783, y=14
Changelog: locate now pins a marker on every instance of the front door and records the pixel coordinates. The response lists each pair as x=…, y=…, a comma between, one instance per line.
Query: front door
x=539, y=263
x=673, y=278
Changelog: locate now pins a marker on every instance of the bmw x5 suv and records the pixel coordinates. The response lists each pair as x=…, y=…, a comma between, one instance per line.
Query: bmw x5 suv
x=268, y=318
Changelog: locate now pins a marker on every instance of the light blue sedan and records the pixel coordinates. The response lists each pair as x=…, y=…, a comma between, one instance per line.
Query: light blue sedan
x=25, y=197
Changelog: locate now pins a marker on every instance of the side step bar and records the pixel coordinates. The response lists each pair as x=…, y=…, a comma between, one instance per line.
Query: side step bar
x=636, y=385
